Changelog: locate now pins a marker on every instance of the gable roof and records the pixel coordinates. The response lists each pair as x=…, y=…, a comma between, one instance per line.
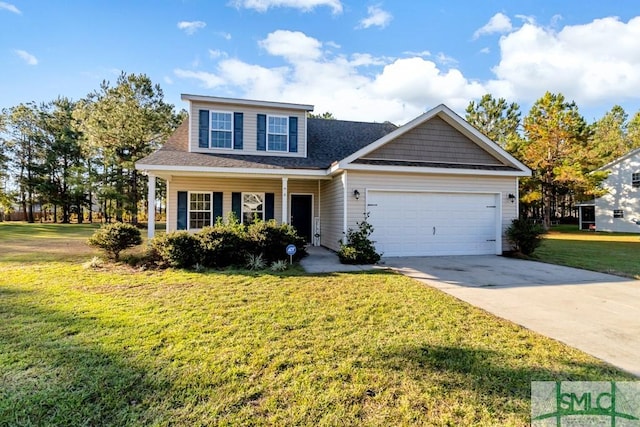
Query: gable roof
x=507, y=162
x=620, y=159
x=327, y=142
x=334, y=145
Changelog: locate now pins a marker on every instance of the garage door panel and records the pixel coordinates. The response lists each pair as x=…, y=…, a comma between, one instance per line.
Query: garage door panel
x=414, y=224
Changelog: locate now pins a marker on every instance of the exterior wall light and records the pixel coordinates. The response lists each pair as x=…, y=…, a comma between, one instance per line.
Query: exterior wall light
x=511, y=197
x=356, y=194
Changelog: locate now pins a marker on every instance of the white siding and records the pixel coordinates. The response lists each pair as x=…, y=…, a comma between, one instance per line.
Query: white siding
x=250, y=132
x=331, y=210
x=621, y=195
x=363, y=181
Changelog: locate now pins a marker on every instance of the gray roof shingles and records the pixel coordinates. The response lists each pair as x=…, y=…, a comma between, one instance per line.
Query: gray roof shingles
x=328, y=141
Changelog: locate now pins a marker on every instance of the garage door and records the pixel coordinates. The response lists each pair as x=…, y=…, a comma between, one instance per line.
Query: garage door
x=419, y=224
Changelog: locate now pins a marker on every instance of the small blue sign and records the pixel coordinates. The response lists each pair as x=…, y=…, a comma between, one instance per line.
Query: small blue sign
x=291, y=250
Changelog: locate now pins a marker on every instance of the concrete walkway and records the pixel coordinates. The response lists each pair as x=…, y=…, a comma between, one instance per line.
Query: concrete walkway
x=322, y=260
x=594, y=312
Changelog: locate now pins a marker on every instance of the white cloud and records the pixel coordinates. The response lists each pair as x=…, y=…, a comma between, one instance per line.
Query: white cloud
x=422, y=54
x=10, y=7
x=217, y=53
x=499, y=23
x=594, y=62
x=26, y=57
x=226, y=36
x=209, y=80
x=485, y=50
x=292, y=45
x=168, y=80
x=527, y=19
x=332, y=44
x=445, y=59
x=597, y=62
x=360, y=86
x=304, y=5
x=191, y=27
x=376, y=17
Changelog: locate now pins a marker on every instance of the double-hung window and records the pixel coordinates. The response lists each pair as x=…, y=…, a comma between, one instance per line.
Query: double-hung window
x=635, y=179
x=252, y=207
x=199, y=210
x=277, y=133
x=221, y=130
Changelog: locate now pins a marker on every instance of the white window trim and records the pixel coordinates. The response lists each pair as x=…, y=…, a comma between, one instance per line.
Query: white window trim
x=286, y=134
x=242, y=212
x=189, y=193
x=211, y=130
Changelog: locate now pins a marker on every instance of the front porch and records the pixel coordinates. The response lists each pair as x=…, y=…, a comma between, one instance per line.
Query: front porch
x=197, y=201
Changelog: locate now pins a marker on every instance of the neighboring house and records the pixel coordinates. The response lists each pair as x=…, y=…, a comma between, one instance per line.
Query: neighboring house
x=619, y=209
x=435, y=186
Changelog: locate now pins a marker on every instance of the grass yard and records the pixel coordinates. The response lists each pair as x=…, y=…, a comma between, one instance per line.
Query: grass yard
x=114, y=346
x=615, y=253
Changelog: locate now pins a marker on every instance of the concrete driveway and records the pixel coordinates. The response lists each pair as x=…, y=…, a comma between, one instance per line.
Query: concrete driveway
x=594, y=312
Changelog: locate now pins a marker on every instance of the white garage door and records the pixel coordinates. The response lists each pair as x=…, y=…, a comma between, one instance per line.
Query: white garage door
x=419, y=224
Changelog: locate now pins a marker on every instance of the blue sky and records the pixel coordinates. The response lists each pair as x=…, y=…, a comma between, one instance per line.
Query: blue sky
x=361, y=60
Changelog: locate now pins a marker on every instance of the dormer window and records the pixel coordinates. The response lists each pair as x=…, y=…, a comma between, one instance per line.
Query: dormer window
x=278, y=133
x=221, y=130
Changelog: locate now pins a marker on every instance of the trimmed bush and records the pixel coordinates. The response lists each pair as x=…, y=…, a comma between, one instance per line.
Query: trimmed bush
x=525, y=235
x=229, y=244
x=115, y=238
x=224, y=244
x=359, y=248
x=270, y=239
x=178, y=249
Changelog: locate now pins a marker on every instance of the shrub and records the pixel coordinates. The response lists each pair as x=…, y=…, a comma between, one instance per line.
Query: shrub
x=93, y=264
x=178, y=249
x=525, y=235
x=359, y=248
x=271, y=240
x=255, y=262
x=229, y=243
x=115, y=238
x=224, y=244
x=278, y=266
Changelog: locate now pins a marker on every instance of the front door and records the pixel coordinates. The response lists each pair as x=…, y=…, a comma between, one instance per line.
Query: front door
x=301, y=214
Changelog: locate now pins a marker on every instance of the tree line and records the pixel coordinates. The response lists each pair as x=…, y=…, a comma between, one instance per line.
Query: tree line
x=73, y=158
x=563, y=151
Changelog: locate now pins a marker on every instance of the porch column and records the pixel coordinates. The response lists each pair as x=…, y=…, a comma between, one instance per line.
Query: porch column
x=151, y=199
x=285, y=198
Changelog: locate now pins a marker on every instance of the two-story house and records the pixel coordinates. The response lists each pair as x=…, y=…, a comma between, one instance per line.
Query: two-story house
x=619, y=209
x=434, y=186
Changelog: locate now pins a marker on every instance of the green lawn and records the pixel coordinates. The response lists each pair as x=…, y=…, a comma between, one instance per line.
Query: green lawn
x=115, y=346
x=615, y=253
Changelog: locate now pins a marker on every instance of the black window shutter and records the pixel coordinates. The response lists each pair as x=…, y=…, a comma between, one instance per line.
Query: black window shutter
x=217, y=206
x=182, y=210
x=293, y=134
x=262, y=132
x=236, y=205
x=269, y=202
x=237, y=131
x=203, y=126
